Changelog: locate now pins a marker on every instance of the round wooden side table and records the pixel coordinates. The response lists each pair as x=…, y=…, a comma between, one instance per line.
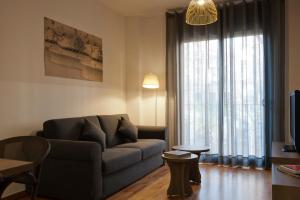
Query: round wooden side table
x=180, y=171
x=195, y=175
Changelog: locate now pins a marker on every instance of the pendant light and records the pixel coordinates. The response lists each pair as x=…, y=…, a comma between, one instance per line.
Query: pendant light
x=201, y=12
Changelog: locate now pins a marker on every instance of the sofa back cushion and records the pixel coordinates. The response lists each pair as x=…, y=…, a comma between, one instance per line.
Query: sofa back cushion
x=93, y=133
x=127, y=130
x=67, y=128
x=109, y=124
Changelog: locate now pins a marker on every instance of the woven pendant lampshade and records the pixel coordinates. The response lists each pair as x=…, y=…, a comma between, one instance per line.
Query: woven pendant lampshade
x=201, y=12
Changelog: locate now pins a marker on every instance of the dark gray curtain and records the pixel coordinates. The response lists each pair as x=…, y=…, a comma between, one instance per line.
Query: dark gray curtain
x=174, y=41
x=274, y=42
x=237, y=18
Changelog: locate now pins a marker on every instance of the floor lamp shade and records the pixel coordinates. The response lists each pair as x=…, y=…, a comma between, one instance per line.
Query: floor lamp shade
x=201, y=12
x=151, y=81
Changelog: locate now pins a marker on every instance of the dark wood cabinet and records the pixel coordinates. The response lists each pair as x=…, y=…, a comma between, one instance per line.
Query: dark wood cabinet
x=284, y=186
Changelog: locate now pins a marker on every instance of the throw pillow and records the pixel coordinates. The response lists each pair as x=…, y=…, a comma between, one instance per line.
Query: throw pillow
x=128, y=130
x=93, y=133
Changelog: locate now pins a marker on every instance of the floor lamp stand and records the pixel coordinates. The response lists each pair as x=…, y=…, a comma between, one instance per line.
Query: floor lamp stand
x=155, y=107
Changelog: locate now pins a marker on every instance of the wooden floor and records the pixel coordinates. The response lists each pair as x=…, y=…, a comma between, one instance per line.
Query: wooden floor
x=218, y=183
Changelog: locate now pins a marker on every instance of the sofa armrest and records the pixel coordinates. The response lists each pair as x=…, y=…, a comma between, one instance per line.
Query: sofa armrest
x=152, y=132
x=74, y=150
x=72, y=170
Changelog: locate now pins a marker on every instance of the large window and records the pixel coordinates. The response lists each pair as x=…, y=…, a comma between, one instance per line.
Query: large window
x=222, y=95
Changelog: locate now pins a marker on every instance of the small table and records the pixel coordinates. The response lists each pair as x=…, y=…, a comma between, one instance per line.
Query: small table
x=11, y=168
x=195, y=175
x=180, y=170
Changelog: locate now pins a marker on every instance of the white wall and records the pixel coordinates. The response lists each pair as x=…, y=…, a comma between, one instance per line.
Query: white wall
x=145, y=52
x=28, y=97
x=292, y=52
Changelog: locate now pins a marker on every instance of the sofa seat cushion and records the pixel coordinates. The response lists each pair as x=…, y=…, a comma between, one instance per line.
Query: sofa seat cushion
x=115, y=159
x=149, y=147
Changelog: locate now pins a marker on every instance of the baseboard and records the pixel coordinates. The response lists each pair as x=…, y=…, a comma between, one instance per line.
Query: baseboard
x=16, y=196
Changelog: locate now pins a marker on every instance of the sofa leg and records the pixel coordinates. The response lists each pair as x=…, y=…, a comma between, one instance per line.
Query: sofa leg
x=164, y=162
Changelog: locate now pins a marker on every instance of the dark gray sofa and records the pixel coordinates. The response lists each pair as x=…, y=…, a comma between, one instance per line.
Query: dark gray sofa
x=78, y=170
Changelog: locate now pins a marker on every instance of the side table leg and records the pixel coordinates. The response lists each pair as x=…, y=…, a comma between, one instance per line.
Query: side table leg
x=179, y=183
x=195, y=175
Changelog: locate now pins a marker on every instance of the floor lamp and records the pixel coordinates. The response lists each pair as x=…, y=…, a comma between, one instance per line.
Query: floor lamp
x=151, y=82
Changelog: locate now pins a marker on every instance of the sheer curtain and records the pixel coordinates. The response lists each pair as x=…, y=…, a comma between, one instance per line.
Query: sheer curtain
x=200, y=94
x=224, y=96
x=222, y=77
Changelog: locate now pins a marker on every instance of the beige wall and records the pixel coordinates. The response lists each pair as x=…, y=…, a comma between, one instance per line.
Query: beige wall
x=293, y=44
x=292, y=52
x=28, y=97
x=145, y=52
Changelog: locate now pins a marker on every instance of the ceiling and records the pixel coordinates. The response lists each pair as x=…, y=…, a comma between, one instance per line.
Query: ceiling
x=143, y=7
